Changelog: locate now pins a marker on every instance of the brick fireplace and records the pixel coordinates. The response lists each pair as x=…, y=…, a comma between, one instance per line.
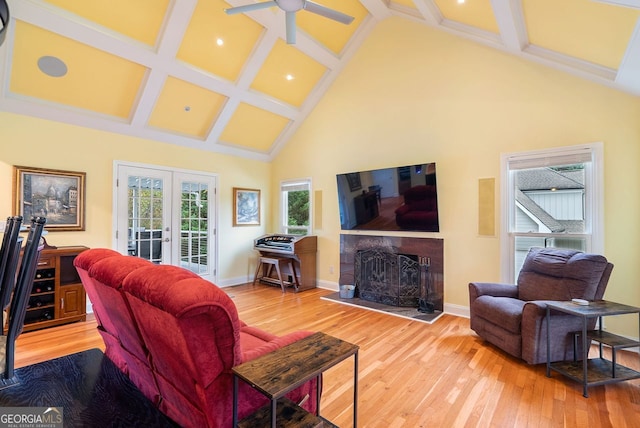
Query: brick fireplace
x=396, y=271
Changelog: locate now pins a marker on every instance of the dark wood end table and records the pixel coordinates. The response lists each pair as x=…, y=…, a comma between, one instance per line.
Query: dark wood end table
x=596, y=371
x=283, y=370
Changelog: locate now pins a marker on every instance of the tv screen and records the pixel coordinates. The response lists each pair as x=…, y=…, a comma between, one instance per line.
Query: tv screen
x=400, y=198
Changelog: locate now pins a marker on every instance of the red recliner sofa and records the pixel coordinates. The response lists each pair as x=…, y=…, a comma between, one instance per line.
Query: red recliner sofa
x=420, y=209
x=189, y=333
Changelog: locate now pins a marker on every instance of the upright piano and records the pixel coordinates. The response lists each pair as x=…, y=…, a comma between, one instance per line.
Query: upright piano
x=300, y=249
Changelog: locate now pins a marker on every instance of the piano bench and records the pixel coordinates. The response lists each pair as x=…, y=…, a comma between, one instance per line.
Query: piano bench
x=268, y=263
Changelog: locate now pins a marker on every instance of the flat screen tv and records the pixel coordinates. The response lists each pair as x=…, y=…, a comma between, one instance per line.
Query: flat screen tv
x=394, y=199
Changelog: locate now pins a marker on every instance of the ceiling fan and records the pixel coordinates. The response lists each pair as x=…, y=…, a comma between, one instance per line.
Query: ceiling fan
x=290, y=7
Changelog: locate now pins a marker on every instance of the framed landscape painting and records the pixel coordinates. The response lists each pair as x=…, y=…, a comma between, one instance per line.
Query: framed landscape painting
x=246, y=207
x=57, y=195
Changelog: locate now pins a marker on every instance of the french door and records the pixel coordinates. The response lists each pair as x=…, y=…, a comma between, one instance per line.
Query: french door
x=167, y=217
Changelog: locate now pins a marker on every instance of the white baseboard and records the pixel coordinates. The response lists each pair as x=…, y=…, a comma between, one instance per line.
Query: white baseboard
x=230, y=282
x=456, y=310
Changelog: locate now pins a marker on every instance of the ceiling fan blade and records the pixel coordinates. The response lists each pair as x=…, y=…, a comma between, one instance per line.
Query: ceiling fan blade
x=291, y=28
x=250, y=7
x=327, y=13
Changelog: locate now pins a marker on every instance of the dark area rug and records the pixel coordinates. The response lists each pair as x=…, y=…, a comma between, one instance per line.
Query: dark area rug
x=410, y=313
x=87, y=389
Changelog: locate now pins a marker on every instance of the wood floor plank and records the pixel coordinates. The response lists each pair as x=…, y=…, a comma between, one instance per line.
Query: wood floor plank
x=411, y=374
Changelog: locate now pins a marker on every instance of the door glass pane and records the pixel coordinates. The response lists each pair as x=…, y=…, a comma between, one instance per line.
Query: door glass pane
x=194, y=226
x=145, y=201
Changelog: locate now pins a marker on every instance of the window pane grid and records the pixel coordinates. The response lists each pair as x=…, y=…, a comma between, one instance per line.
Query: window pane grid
x=296, y=207
x=194, y=227
x=145, y=204
x=552, y=197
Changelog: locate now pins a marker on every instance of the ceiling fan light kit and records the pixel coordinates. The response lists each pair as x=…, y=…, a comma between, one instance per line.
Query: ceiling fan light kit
x=290, y=7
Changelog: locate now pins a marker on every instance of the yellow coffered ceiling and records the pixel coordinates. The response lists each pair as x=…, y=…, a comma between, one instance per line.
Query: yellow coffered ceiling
x=185, y=72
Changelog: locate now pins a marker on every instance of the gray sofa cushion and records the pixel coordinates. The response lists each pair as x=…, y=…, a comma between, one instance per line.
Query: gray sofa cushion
x=579, y=275
x=505, y=312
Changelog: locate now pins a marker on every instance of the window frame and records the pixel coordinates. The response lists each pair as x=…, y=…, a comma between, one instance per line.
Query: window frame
x=287, y=186
x=594, y=199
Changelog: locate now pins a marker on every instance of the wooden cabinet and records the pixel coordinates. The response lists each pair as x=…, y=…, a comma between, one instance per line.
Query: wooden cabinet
x=366, y=206
x=57, y=294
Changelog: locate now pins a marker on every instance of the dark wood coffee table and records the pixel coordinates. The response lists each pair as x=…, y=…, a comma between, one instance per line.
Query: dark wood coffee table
x=294, y=365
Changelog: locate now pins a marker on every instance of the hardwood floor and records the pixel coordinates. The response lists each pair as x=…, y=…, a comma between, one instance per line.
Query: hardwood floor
x=412, y=374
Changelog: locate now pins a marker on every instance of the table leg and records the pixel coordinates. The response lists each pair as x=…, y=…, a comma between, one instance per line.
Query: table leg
x=274, y=405
x=355, y=390
x=318, y=392
x=549, y=343
x=585, y=358
x=600, y=343
x=235, y=401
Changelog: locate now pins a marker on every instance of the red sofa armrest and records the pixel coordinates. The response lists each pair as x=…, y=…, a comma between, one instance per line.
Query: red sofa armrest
x=403, y=209
x=276, y=343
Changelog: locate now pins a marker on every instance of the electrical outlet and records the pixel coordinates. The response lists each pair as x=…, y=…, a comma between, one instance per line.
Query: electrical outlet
x=3, y=224
x=331, y=269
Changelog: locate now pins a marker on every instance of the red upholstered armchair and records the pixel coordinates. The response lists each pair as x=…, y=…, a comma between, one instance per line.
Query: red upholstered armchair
x=513, y=317
x=191, y=335
x=420, y=209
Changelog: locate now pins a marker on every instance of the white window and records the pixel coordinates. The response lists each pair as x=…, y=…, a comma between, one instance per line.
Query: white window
x=551, y=198
x=296, y=206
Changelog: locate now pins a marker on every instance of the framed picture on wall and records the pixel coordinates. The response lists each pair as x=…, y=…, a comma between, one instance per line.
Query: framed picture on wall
x=353, y=179
x=57, y=195
x=246, y=207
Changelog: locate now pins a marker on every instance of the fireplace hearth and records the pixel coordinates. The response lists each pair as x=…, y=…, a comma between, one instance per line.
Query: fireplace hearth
x=395, y=271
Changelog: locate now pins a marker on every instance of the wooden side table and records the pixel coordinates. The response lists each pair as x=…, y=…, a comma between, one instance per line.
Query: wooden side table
x=596, y=371
x=295, y=364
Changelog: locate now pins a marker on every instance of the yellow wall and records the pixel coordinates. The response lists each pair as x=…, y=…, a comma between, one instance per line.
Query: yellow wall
x=39, y=143
x=412, y=94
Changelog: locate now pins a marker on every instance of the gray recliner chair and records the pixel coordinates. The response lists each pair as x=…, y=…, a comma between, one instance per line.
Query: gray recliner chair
x=513, y=317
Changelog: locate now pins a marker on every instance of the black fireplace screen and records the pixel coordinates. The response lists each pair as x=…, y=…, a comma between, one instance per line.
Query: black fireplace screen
x=389, y=278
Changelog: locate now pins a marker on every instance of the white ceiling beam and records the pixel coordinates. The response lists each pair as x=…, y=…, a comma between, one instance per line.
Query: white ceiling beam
x=629, y=70
x=635, y=4
x=377, y=8
x=510, y=19
x=316, y=95
x=429, y=11
x=172, y=33
x=168, y=45
x=84, y=32
x=151, y=89
x=110, y=124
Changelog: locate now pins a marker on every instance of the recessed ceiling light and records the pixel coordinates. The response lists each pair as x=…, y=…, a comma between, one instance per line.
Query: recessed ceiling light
x=219, y=41
x=460, y=1
x=52, y=66
x=187, y=108
x=289, y=77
